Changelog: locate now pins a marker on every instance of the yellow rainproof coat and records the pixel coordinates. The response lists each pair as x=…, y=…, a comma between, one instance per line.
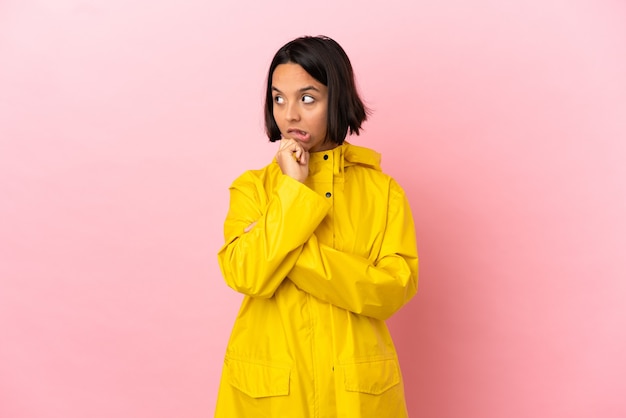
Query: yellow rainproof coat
x=325, y=264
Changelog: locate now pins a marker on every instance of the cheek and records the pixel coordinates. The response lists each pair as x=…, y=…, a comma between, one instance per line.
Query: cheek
x=321, y=122
x=277, y=118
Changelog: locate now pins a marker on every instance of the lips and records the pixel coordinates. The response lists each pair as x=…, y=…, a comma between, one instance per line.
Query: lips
x=298, y=134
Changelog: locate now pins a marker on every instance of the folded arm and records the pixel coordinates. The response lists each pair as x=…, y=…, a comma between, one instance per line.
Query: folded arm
x=376, y=288
x=256, y=261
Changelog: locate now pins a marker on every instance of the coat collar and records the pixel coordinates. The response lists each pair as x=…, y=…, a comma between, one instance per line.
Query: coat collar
x=348, y=155
x=345, y=155
x=355, y=155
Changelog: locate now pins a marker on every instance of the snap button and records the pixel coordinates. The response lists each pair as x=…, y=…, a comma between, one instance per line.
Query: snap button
x=326, y=156
x=328, y=194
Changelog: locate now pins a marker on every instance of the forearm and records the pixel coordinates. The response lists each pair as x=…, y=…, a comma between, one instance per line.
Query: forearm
x=257, y=261
x=376, y=289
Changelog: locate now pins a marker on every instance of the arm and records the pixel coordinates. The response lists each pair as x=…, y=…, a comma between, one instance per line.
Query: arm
x=256, y=262
x=377, y=289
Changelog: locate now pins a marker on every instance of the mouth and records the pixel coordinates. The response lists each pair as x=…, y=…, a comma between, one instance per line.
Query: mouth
x=298, y=134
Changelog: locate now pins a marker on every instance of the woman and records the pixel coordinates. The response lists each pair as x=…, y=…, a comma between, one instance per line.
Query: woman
x=322, y=245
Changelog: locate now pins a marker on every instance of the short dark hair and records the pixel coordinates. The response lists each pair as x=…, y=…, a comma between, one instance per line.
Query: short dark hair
x=327, y=62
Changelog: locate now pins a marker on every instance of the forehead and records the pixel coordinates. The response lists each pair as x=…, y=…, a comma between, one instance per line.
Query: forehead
x=293, y=76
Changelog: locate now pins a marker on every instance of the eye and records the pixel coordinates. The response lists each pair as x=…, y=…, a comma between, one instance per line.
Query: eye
x=279, y=100
x=307, y=99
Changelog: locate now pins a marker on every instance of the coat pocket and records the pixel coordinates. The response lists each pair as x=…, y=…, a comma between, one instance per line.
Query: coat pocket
x=371, y=375
x=258, y=380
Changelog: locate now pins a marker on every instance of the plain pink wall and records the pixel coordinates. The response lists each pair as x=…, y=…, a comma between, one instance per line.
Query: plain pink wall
x=122, y=125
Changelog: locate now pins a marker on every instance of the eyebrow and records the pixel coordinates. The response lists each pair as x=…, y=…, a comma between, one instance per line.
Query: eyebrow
x=302, y=90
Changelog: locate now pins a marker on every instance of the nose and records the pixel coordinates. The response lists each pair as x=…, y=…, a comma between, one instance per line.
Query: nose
x=292, y=113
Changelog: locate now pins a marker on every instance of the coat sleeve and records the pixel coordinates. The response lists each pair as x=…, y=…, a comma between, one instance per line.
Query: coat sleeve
x=256, y=262
x=373, y=288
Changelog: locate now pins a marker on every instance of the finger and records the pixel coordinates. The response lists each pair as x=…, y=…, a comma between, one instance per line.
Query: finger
x=304, y=158
x=249, y=227
x=293, y=147
x=288, y=145
x=284, y=144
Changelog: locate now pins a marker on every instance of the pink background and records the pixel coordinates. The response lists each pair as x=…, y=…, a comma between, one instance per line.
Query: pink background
x=122, y=125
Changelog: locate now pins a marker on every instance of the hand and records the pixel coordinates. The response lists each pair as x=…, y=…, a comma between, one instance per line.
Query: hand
x=293, y=159
x=249, y=227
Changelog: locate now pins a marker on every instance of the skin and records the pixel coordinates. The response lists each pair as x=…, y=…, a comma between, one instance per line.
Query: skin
x=300, y=111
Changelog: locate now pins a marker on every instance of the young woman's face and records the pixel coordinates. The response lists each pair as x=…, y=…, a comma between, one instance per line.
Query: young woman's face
x=300, y=107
